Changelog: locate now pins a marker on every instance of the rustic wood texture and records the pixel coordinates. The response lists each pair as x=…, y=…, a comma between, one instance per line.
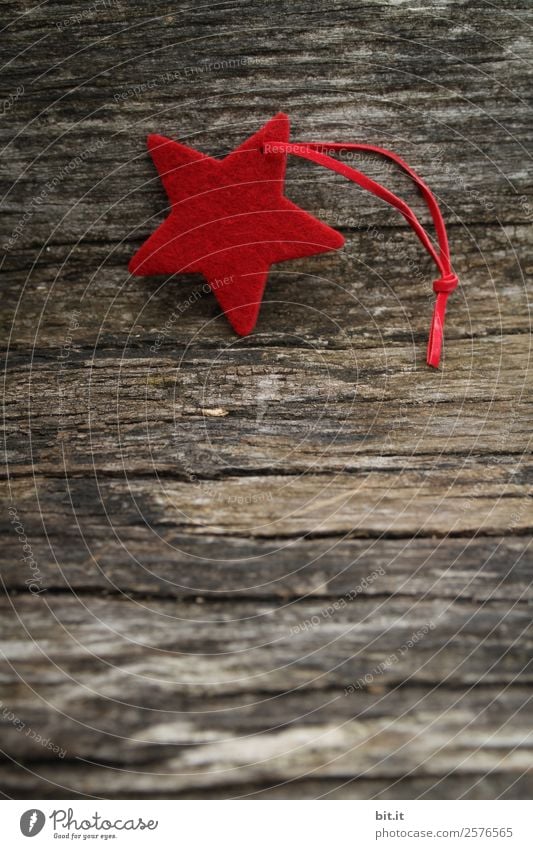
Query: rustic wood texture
x=296, y=565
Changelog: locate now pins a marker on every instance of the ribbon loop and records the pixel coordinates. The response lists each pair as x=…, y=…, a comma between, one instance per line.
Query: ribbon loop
x=318, y=152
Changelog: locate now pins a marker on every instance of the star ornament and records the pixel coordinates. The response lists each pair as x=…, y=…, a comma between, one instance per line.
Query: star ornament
x=230, y=221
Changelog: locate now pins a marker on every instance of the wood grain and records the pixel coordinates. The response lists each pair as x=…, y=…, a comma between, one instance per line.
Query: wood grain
x=215, y=550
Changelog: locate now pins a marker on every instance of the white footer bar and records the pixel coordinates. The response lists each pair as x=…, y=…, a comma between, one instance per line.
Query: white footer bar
x=268, y=824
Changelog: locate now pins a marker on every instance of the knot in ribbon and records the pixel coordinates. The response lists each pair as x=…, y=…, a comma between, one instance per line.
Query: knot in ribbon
x=445, y=284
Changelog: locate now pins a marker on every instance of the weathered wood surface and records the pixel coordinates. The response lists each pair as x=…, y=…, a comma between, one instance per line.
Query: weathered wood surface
x=233, y=540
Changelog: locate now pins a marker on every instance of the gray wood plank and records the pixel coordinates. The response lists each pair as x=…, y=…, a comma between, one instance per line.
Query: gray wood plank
x=409, y=76
x=226, y=535
x=134, y=561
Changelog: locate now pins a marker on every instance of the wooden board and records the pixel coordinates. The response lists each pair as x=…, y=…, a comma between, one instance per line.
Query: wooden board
x=296, y=565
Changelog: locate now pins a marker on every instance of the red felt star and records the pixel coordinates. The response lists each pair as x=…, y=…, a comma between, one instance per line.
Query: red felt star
x=230, y=221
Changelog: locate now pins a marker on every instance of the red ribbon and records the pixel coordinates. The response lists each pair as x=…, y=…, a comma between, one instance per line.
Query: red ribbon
x=447, y=281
